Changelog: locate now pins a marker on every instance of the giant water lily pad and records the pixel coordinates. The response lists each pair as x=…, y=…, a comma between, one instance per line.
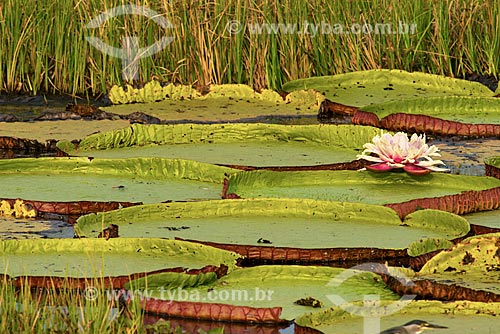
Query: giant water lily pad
x=451, y=115
x=459, y=317
x=59, y=130
x=220, y=103
x=488, y=218
x=292, y=223
x=355, y=186
x=231, y=144
x=485, y=218
x=147, y=180
x=98, y=258
x=473, y=264
x=467, y=271
x=464, y=109
x=375, y=86
x=275, y=289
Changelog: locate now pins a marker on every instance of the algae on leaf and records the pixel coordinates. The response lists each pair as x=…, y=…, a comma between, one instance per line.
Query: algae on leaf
x=428, y=245
x=452, y=225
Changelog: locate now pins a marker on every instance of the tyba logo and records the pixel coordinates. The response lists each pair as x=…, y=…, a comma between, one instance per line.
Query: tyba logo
x=130, y=53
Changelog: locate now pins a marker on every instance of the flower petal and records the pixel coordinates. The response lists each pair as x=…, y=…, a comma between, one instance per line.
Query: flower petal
x=397, y=151
x=416, y=170
x=379, y=168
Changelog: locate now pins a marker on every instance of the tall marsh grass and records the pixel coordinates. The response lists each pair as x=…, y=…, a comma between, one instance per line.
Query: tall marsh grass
x=43, y=46
x=23, y=310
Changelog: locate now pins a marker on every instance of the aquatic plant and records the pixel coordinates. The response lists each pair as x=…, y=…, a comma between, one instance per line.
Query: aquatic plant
x=396, y=151
x=43, y=45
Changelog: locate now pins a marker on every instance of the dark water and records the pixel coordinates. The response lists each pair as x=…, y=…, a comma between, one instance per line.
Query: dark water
x=26, y=108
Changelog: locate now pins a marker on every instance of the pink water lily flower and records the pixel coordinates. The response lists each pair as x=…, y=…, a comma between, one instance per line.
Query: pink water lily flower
x=391, y=152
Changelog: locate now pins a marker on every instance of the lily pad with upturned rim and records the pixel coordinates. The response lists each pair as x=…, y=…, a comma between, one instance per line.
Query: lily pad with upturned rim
x=272, y=288
x=354, y=186
x=464, y=109
x=449, y=115
x=231, y=144
x=222, y=103
x=459, y=317
x=146, y=180
x=488, y=218
x=363, y=88
x=474, y=264
x=255, y=223
x=84, y=261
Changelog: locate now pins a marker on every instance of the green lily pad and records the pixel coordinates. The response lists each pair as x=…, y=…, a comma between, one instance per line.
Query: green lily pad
x=439, y=221
x=459, y=317
x=354, y=186
x=59, y=130
x=147, y=180
x=232, y=144
x=96, y=258
x=464, y=109
x=375, y=86
x=428, y=245
x=473, y=263
x=221, y=103
x=277, y=223
x=266, y=287
x=484, y=218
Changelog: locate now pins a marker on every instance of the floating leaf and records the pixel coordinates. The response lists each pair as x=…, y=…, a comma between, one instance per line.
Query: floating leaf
x=428, y=245
x=363, y=88
x=231, y=144
x=353, y=186
x=221, y=103
x=131, y=180
x=465, y=109
x=265, y=287
x=280, y=223
x=460, y=316
x=99, y=258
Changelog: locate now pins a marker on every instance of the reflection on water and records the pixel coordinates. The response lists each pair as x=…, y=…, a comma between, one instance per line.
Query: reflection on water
x=466, y=156
x=197, y=326
x=31, y=228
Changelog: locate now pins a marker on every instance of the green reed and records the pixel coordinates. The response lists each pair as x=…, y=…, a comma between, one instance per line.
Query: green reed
x=24, y=310
x=43, y=46
x=67, y=310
